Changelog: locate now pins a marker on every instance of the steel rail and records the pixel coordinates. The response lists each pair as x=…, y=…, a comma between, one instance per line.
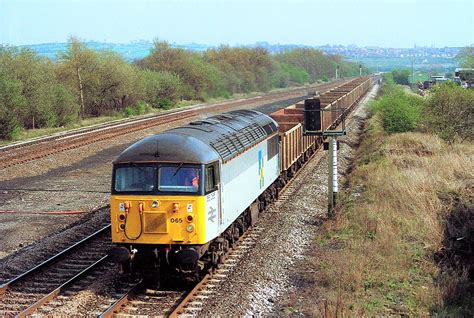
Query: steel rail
x=4, y=287
x=53, y=294
x=122, y=301
x=179, y=309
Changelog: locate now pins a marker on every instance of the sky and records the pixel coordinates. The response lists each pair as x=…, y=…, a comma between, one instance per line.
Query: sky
x=386, y=23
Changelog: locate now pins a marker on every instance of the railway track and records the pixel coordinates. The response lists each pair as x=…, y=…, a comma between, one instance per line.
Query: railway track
x=138, y=301
x=24, y=294
x=41, y=147
x=189, y=302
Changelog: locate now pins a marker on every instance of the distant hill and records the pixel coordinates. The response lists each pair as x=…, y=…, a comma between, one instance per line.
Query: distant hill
x=429, y=59
x=130, y=51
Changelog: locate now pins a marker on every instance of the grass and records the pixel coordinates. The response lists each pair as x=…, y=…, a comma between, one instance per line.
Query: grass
x=391, y=223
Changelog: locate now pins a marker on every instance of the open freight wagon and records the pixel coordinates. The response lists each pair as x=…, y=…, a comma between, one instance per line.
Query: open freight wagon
x=336, y=104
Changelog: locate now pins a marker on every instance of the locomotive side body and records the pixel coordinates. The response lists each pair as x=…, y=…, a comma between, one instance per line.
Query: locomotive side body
x=246, y=177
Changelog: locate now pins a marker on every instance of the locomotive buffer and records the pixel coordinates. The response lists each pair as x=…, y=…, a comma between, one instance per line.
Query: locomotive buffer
x=315, y=118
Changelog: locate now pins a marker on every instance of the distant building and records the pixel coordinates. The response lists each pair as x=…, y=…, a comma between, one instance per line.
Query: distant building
x=464, y=77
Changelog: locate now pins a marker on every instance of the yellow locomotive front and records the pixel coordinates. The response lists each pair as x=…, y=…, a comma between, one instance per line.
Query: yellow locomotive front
x=158, y=203
x=163, y=188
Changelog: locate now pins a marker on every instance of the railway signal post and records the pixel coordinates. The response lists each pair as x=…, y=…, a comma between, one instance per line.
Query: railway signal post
x=332, y=175
x=315, y=118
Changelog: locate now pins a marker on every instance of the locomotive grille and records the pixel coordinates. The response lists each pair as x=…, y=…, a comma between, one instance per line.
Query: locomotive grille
x=154, y=223
x=232, y=144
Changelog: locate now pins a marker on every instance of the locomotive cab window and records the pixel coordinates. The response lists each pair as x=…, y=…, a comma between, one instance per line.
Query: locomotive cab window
x=211, y=178
x=178, y=179
x=135, y=179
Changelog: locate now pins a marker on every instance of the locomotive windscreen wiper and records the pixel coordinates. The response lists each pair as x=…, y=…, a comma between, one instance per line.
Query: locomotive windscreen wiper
x=177, y=169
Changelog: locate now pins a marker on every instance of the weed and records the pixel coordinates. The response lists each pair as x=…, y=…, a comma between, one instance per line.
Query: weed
x=394, y=224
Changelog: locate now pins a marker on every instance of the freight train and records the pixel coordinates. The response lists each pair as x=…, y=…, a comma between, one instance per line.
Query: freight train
x=180, y=199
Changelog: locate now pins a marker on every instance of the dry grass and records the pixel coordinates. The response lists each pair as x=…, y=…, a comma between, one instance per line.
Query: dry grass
x=377, y=256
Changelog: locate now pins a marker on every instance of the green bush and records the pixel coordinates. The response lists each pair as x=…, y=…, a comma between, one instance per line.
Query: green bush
x=449, y=112
x=164, y=102
x=141, y=108
x=129, y=111
x=400, y=112
x=65, y=105
x=401, y=76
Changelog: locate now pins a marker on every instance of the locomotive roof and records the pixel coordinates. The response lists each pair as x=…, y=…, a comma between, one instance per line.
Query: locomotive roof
x=222, y=136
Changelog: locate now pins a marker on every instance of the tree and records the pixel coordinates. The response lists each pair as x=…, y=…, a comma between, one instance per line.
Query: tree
x=317, y=64
x=162, y=89
x=401, y=76
x=466, y=57
x=76, y=67
x=285, y=75
x=102, y=82
x=11, y=103
x=38, y=79
x=242, y=69
x=188, y=66
x=118, y=84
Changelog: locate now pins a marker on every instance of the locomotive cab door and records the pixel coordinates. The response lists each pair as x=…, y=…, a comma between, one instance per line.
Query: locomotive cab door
x=212, y=190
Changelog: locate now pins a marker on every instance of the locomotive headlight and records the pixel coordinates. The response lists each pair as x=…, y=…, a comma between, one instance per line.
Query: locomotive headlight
x=175, y=207
x=154, y=204
x=190, y=228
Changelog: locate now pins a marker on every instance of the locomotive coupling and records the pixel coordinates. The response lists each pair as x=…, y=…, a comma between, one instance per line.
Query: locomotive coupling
x=119, y=254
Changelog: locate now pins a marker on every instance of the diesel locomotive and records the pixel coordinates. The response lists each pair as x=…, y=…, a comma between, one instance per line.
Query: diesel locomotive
x=180, y=199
